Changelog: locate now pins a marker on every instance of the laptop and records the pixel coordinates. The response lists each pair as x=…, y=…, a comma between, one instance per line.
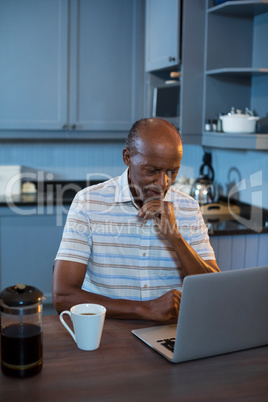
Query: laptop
x=219, y=313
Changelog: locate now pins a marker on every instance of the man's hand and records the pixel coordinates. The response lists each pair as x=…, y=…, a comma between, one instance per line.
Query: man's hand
x=162, y=212
x=165, y=307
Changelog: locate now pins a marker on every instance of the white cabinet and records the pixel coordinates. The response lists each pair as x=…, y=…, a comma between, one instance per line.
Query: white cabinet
x=162, y=34
x=70, y=64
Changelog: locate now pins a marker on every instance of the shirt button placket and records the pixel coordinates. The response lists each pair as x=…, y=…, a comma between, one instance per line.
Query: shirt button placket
x=144, y=253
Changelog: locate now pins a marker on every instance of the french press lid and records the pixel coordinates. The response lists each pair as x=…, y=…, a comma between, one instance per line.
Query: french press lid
x=20, y=297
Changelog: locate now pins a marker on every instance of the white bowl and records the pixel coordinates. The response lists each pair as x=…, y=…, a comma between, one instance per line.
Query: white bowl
x=239, y=123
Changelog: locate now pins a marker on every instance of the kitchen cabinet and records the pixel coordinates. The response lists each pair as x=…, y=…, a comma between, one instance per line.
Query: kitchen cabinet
x=70, y=64
x=162, y=35
x=236, y=69
x=29, y=241
x=240, y=251
x=33, y=64
x=105, y=58
x=189, y=31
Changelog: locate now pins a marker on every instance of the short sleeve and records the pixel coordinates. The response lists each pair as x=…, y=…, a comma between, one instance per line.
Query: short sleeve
x=200, y=238
x=76, y=240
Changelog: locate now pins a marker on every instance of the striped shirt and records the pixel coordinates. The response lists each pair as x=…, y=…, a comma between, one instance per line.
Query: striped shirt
x=126, y=259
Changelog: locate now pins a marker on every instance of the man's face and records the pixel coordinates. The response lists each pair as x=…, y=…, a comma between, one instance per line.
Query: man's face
x=153, y=170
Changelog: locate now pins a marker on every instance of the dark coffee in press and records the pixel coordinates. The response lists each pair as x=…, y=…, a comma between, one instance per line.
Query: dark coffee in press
x=21, y=350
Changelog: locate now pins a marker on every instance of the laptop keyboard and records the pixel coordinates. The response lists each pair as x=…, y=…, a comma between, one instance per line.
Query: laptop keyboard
x=168, y=343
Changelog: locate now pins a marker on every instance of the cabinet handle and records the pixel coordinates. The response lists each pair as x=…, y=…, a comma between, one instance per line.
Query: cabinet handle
x=171, y=59
x=69, y=127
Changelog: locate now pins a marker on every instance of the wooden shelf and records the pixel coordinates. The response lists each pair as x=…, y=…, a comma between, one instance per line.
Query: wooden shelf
x=235, y=141
x=241, y=8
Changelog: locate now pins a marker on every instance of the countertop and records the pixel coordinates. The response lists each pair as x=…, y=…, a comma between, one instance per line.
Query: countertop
x=48, y=193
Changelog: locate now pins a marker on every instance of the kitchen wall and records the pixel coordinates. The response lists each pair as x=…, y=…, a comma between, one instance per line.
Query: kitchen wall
x=66, y=160
x=103, y=159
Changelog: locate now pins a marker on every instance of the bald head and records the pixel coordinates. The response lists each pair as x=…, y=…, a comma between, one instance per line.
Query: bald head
x=153, y=130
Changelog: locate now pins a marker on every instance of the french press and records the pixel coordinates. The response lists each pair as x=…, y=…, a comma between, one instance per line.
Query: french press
x=21, y=330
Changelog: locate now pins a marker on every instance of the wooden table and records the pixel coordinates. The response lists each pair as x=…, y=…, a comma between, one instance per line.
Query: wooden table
x=125, y=369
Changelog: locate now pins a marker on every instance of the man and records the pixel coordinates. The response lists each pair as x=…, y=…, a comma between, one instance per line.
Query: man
x=129, y=242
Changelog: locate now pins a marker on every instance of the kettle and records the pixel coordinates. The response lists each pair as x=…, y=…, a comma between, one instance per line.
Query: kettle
x=21, y=330
x=203, y=189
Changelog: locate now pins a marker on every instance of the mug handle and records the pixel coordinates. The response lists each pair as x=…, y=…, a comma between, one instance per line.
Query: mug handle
x=64, y=323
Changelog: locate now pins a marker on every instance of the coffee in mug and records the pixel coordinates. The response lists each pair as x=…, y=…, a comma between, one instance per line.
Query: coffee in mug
x=87, y=313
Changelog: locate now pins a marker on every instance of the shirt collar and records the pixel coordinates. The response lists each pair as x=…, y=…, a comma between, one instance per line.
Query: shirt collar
x=122, y=192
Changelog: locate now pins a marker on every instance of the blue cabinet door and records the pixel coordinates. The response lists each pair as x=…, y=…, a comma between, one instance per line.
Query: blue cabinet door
x=106, y=60
x=162, y=34
x=28, y=245
x=240, y=251
x=33, y=64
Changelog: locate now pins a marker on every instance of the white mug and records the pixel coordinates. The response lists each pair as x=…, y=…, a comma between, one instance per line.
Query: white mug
x=88, y=321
